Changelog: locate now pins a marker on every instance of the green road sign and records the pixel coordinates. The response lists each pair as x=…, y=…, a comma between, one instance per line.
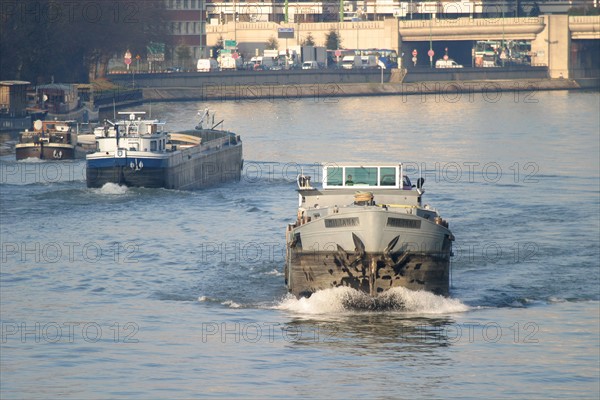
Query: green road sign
x=156, y=51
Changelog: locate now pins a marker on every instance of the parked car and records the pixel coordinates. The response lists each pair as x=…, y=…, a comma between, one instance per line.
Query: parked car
x=174, y=69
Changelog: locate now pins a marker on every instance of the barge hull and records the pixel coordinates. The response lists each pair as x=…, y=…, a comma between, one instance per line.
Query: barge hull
x=206, y=169
x=373, y=273
x=46, y=152
x=188, y=170
x=148, y=177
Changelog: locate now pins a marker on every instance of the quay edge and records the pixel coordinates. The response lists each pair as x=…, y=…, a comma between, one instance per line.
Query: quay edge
x=335, y=90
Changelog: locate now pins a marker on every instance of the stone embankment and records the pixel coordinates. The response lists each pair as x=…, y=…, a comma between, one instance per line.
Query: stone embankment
x=323, y=91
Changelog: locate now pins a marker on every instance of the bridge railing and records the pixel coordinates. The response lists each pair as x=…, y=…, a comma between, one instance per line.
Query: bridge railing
x=585, y=19
x=471, y=22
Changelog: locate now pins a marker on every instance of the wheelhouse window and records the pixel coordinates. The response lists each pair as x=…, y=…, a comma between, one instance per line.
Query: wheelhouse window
x=153, y=145
x=360, y=176
x=335, y=176
x=387, y=176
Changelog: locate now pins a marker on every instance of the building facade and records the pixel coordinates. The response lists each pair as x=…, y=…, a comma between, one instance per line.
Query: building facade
x=300, y=11
x=186, y=21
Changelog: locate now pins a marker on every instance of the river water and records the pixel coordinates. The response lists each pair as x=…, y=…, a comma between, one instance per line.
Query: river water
x=120, y=292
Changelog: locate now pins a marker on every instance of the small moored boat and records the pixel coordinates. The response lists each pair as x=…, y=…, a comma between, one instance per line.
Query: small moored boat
x=366, y=228
x=49, y=140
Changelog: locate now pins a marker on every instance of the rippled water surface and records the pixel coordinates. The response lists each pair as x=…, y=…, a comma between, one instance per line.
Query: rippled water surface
x=131, y=292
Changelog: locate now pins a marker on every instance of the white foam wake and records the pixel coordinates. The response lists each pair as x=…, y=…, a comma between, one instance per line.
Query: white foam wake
x=344, y=299
x=113, y=188
x=274, y=272
x=228, y=303
x=32, y=160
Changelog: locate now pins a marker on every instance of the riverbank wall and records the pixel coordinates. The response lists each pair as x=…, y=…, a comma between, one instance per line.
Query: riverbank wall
x=323, y=76
x=327, y=84
x=451, y=91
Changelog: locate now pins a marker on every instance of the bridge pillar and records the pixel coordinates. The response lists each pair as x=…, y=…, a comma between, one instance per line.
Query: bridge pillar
x=391, y=33
x=552, y=46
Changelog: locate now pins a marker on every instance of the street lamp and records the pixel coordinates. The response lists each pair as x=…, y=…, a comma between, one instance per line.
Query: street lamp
x=502, y=47
x=430, y=42
x=234, y=23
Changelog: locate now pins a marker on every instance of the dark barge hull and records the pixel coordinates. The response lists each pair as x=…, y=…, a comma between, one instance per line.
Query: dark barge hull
x=123, y=175
x=372, y=273
x=45, y=152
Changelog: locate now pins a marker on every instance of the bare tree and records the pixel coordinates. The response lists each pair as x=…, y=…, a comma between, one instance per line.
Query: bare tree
x=272, y=43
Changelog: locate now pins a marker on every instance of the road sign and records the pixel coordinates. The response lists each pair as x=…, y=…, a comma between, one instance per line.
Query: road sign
x=414, y=53
x=430, y=53
x=285, y=33
x=127, y=58
x=338, y=53
x=156, y=51
x=230, y=44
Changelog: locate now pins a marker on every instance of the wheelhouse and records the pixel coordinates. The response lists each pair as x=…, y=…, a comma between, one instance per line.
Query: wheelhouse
x=134, y=134
x=365, y=177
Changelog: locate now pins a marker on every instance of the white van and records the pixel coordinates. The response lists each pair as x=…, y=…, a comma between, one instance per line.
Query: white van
x=261, y=63
x=207, y=65
x=350, y=62
x=449, y=63
x=310, y=65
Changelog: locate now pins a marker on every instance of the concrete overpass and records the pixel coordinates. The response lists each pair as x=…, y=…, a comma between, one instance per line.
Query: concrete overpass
x=551, y=36
x=566, y=44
